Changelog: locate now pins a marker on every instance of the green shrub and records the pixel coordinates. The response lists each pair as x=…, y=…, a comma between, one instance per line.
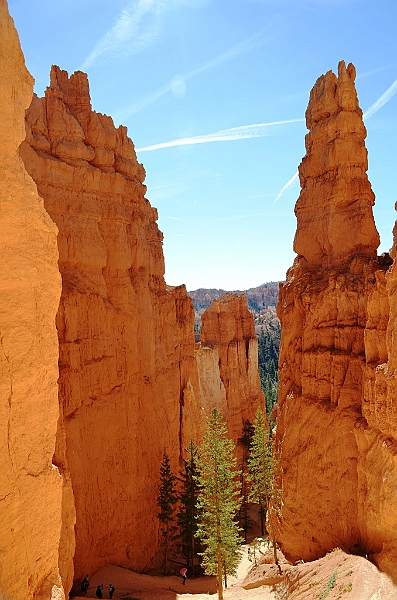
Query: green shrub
x=328, y=586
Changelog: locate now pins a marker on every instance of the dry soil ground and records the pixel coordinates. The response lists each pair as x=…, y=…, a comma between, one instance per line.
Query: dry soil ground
x=337, y=576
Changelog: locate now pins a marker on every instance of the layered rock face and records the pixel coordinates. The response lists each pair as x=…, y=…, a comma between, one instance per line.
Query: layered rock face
x=125, y=339
x=130, y=384
x=228, y=328
x=336, y=428
x=30, y=286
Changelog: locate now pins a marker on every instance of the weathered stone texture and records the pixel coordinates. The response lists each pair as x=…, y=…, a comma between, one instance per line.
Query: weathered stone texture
x=130, y=385
x=337, y=424
x=124, y=335
x=228, y=327
x=30, y=285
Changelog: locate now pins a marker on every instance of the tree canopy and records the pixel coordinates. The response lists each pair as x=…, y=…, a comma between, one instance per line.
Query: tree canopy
x=218, y=501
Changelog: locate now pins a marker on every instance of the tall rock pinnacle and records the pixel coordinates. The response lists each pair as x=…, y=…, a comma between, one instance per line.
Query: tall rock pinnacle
x=334, y=209
x=323, y=312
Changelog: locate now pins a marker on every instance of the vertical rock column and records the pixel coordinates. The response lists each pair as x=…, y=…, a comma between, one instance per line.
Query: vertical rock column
x=228, y=329
x=377, y=431
x=126, y=339
x=30, y=285
x=323, y=313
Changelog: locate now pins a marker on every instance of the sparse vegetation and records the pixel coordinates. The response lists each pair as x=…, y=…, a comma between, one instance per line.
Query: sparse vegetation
x=331, y=583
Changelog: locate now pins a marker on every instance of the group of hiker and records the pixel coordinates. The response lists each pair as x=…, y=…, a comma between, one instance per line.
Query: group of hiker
x=85, y=584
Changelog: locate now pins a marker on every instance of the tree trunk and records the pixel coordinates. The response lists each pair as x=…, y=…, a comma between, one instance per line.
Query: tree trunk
x=225, y=575
x=166, y=549
x=220, y=574
x=273, y=539
x=193, y=555
x=262, y=521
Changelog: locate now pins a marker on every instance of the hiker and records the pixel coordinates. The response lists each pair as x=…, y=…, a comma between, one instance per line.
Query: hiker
x=98, y=592
x=111, y=589
x=85, y=584
x=183, y=572
x=249, y=555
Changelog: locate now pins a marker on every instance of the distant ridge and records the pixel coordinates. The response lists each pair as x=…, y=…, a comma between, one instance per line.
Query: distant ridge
x=258, y=298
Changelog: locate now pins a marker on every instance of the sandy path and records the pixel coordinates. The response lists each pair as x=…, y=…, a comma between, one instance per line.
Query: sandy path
x=145, y=587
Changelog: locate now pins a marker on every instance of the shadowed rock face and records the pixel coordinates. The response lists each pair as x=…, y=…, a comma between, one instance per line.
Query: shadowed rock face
x=132, y=384
x=336, y=429
x=30, y=286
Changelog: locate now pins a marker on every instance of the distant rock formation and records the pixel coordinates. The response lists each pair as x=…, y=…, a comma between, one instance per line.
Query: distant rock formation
x=258, y=298
x=228, y=327
x=130, y=384
x=30, y=287
x=337, y=420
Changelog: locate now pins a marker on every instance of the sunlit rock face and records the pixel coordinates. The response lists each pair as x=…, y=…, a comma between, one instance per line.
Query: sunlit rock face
x=228, y=327
x=126, y=339
x=30, y=286
x=132, y=383
x=337, y=424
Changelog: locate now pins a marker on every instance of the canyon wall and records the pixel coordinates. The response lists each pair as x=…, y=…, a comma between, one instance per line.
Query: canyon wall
x=30, y=286
x=336, y=427
x=228, y=328
x=132, y=382
x=125, y=338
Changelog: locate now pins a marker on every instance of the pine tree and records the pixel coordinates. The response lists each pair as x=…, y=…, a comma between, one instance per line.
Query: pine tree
x=166, y=501
x=218, y=502
x=245, y=441
x=263, y=472
x=187, y=515
x=259, y=466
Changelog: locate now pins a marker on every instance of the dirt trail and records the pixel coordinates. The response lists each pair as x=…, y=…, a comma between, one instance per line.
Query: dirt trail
x=336, y=576
x=145, y=587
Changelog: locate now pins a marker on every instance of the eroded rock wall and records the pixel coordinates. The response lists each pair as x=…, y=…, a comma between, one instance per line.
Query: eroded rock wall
x=125, y=338
x=132, y=382
x=336, y=428
x=30, y=286
x=228, y=328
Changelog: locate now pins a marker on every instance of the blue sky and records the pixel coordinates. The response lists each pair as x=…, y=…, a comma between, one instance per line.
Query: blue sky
x=214, y=93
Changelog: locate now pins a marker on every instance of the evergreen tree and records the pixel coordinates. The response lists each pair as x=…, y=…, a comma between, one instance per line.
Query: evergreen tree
x=166, y=501
x=263, y=471
x=259, y=466
x=187, y=515
x=218, y=502
x=268, y=351
x=245, y=441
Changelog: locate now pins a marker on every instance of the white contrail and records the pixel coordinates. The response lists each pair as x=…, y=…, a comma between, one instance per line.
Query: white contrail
x=136, y=28
x=384, y=98
x=225, y=135
x=233, y=52
x=289, y=182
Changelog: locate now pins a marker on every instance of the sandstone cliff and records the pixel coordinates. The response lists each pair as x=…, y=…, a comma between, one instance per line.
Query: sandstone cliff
x=130, y=384
x=125, y=338
x=30, y=494
x=228, y=328
x=336, y=429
